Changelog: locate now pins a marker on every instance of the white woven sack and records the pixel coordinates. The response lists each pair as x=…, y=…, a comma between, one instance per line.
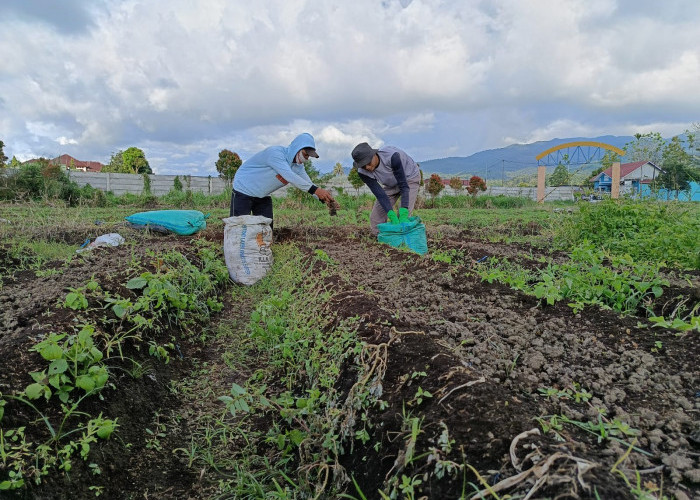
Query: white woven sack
x=247, y=241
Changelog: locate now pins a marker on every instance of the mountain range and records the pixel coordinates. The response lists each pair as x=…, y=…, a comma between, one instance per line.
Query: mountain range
x=510, y=161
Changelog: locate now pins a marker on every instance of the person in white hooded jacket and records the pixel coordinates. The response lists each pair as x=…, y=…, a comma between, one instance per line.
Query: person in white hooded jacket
x=270, y=169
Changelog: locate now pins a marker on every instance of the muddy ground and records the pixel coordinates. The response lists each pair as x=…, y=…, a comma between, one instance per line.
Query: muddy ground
x=484, y=352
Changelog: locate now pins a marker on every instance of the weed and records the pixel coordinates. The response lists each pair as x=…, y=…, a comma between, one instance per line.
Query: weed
x=576, y=393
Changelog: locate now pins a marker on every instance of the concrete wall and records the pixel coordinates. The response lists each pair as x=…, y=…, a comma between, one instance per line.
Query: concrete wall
x=132, y=183
x=161, y=184
x=559, y=193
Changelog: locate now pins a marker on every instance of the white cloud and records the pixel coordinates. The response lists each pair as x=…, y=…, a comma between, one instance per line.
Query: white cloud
x=184, y=79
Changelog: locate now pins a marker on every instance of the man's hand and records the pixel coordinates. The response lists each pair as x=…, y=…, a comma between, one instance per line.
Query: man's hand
x=403, y=214
x=323, y=195
x=392, y=217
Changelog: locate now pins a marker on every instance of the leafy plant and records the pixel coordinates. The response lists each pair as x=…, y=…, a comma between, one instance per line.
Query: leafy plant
x=74, y=362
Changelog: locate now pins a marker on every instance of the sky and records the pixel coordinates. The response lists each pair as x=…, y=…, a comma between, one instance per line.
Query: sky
x=183, y=80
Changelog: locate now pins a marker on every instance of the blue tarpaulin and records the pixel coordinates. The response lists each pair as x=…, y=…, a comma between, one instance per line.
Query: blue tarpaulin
x=183, y=222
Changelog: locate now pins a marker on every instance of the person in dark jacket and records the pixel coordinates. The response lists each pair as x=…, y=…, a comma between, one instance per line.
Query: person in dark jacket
x=390, y=174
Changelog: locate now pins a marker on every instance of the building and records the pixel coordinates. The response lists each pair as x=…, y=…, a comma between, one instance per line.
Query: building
x=71, y=163
x=632, y=176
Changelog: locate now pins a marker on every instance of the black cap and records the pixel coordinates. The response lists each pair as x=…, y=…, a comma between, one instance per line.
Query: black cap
x=362, y=154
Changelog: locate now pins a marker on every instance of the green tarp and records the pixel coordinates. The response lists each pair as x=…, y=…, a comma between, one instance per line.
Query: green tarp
x=409, y=234
x=182, y=222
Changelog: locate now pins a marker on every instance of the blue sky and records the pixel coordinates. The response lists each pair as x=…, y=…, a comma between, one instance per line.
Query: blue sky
x=183, y=80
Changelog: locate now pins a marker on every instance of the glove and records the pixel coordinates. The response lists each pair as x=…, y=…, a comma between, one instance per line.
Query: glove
x=403, y=214
x=392, y=217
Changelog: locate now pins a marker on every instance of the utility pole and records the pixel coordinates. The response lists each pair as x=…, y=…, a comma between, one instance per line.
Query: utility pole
x=503, y=173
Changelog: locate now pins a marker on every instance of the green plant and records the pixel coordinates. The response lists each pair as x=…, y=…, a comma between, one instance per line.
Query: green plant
x=74, y=362
x=649, y=231
x=419, y=397
x=576, y=393
x=622, y=285
x=683, y=325
x=154, y=438
x=160, y=351
x=646, y=490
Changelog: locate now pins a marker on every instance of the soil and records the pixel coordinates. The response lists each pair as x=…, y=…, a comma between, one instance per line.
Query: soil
x=483, y=351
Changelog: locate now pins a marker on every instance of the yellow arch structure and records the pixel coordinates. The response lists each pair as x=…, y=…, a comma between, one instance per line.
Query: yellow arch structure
x=542, y=169
x=601, y=145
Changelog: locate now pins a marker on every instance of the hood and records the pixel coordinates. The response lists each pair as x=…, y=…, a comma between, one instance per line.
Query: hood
x=301, y=141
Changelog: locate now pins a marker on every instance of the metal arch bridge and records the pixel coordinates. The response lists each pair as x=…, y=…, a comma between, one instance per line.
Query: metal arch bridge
x=578, y=156
x=575, y=153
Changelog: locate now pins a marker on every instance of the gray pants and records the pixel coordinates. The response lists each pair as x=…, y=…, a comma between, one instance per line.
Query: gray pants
x=378, y=215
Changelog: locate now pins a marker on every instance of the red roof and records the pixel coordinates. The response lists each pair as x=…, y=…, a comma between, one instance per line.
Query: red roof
x=69, y=161
x=625, y=169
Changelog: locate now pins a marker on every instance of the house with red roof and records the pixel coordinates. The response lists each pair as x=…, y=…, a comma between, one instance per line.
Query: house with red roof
x=71, y=163
x=632, y=176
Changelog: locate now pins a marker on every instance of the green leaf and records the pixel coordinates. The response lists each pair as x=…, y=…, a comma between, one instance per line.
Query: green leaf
x=50, y=352
x=297, y=436
x=76, y=300
x=58, y=366
x=106, y=429
x=136, y=283
x=242, y=406
x=119, y=310
x=237, y=390
x=34, y=391
x=96, y=354
x=85, y=382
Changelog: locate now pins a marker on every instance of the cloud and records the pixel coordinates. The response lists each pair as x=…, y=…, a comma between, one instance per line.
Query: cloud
x=69, y=17
x=439, y=78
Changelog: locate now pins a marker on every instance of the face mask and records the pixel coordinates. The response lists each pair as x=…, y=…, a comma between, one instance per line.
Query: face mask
x=299, y=158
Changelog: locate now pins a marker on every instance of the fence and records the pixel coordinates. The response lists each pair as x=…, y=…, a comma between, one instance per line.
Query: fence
x=133, y=183
x=162, y=184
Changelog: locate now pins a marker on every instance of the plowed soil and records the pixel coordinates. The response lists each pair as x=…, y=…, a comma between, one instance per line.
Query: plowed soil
x=484, y=352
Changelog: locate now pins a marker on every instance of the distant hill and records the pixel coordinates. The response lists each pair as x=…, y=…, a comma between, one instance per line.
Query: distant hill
x=516, y=159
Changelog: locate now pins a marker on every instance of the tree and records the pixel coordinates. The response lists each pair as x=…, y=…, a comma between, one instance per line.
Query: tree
x=677, y=164
x=227, y=165
x=116, y=164
x=338, y=169
x=131, y=161
x=135, y=161
x=475, y=185
x=14, y=162
x=456, y=184
x=434, y=186
x=355, y=180
x=560, y=176
x=645, y=147
x=3, y=158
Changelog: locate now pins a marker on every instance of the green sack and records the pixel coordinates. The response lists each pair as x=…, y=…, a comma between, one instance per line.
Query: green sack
x=184, y=222
x=410, y=234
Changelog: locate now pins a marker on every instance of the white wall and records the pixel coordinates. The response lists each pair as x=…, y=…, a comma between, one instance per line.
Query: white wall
x=161, y=184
